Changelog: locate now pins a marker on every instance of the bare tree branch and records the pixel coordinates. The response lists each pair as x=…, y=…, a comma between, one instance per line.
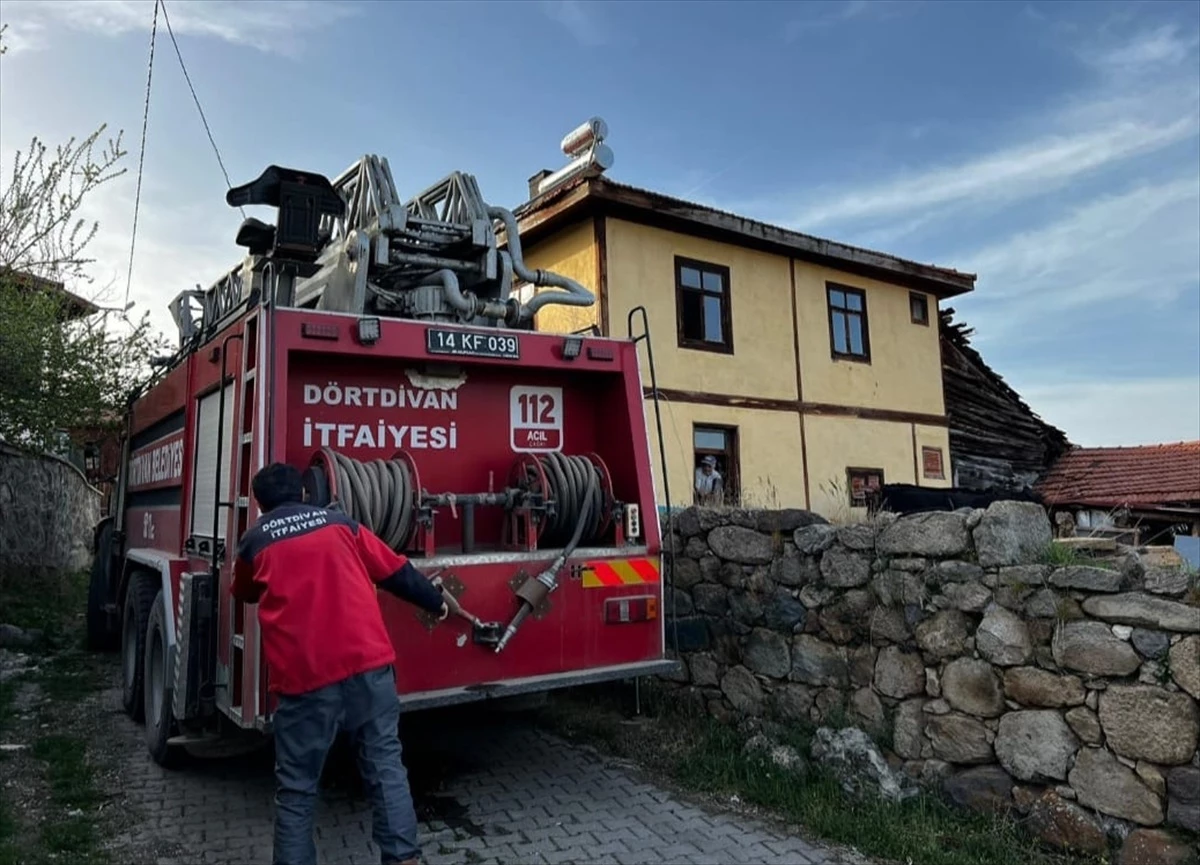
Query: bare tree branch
x=62, y=371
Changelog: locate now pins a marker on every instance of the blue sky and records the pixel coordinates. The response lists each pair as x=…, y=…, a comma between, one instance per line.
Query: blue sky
x=1054, y=149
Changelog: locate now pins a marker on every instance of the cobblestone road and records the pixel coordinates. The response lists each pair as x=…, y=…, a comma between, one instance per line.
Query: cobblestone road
x=488, y=791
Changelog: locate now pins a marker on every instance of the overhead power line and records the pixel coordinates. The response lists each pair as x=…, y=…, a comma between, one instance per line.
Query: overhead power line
x=137, y=197
x=195, y=98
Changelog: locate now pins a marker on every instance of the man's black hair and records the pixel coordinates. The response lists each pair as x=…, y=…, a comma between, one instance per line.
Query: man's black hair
x=277, y=484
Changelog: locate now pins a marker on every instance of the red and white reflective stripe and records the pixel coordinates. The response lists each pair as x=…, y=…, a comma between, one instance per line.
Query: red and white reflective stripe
x=620, y=572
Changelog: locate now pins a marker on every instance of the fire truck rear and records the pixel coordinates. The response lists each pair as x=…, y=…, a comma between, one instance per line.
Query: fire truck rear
x=378, y=346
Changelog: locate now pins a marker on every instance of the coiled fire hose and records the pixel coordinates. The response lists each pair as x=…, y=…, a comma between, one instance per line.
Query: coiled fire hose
x=575, y=489
x=378, y=494
x=588, y=513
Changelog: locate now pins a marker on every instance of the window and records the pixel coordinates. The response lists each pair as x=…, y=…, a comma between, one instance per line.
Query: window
x=918, y=308
x=848, y=336
x=864, y=484
x=931, y=459
x=702, y=300
x=207, y=491
x=715, y=465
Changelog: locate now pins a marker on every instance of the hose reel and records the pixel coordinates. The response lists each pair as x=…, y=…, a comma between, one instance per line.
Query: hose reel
x=559, y=492
x=564, y=500
x=383, y=495
x=562, y=484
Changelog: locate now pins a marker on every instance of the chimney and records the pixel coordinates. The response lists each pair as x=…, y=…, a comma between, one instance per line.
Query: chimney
x=535, y=180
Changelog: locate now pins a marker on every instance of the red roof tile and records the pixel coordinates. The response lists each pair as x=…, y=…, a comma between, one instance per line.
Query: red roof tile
x=1113, y=477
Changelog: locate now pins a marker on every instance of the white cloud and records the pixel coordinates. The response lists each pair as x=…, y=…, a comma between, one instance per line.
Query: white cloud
x=1001, y=176
x=180, y=247
x=586, y=28
x=1144, y=98
x=848, y=10
x=274, y=27
x=1100, y=413
x=1147, y=50
x=1140, y=243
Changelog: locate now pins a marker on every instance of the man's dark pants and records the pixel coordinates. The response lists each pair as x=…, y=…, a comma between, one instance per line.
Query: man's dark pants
x=366, y=708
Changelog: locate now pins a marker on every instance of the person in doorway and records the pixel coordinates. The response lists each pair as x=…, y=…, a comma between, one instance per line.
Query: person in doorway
x=709, y=485
x=313, y=574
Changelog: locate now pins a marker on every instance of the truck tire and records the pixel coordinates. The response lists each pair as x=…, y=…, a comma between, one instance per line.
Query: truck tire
x=159, y=690
x=139, y=597
x=102, y=635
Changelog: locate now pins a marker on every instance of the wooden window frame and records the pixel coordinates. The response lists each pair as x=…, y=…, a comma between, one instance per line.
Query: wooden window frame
x=731, y=455
x=724, y=347
x=914, y=296
x=926, y=452
x=851, y=471
x=865, y=357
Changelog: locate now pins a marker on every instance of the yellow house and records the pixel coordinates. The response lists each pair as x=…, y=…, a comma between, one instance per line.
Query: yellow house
x=811, y=370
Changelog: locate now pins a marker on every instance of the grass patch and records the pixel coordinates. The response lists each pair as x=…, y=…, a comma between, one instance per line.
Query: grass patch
x=68, y=830
x=705, y=757
x=8, y=833
x=69, y=676
x=53, y=605
x=8, y=823
x=8, y=695
x=72, y=780
x=1062, y=555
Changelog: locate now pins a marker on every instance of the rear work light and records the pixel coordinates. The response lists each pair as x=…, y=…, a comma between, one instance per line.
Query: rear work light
x=571, y=347
x=368, y=330
x=623, y=611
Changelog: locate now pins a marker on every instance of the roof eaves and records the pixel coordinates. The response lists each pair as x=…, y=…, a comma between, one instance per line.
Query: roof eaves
x=940, y=281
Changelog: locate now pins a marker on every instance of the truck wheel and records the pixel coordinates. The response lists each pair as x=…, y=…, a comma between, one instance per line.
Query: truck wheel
x=138, y=599
x=101, y=635
x=159, y=692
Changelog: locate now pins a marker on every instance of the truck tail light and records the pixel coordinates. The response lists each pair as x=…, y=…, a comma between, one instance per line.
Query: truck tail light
x=623, y=611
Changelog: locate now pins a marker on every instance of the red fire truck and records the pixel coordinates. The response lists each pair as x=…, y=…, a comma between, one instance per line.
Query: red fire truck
x=379, y=346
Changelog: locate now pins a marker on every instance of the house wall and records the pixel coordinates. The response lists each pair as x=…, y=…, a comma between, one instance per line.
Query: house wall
x=798, y=427
x=837, y=443
x=770, y=463
x=573, y=253
x=905, y=372
x=641, y=270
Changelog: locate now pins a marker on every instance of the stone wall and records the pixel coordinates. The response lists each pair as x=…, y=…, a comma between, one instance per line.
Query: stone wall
x=47, y=514
x=1068, y=693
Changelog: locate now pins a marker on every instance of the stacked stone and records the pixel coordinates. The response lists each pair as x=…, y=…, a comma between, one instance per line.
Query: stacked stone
x=1066, y=693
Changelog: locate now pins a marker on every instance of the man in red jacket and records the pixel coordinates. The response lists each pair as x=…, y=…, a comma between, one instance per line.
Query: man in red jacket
x=314, y=574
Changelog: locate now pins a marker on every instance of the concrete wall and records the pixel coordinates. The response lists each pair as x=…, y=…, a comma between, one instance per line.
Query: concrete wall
x=47, y=514
x=1068, y=694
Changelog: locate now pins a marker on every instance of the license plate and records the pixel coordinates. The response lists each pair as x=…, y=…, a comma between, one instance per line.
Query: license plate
x=498, y=345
